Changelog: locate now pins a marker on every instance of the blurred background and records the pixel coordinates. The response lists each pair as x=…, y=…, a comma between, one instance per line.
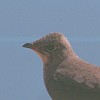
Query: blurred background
x=24, y=21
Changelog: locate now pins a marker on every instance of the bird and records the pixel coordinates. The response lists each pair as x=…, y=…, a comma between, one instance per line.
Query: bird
x=66, y=75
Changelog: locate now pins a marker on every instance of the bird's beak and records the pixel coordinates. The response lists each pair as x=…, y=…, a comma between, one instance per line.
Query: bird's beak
x=40, y=53
x=28, y=45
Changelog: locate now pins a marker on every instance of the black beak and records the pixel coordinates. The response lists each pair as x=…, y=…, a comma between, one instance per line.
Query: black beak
x=28, y=45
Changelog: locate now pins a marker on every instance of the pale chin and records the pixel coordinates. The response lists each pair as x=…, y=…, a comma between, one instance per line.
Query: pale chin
x=44, y=58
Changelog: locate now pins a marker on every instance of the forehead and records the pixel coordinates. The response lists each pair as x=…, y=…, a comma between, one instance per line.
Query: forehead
x=53, y=38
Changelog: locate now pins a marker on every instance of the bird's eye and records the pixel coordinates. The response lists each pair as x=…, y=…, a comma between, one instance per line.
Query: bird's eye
x=50, y=48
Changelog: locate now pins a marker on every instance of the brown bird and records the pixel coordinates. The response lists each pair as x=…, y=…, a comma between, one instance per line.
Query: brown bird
x=66, y=76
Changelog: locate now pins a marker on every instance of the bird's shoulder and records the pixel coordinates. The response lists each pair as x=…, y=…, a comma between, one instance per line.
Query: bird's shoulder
x=78, y=71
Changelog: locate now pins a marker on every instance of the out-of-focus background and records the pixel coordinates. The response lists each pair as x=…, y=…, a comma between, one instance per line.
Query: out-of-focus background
x=24, y=21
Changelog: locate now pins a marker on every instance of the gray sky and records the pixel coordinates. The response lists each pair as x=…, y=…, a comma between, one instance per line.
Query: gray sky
x=24, y=21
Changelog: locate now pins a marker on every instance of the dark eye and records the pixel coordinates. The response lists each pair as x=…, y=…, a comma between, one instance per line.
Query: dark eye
x=50, y=48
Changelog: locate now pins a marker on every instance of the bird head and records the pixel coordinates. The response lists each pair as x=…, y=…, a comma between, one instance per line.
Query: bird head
x=50, y=45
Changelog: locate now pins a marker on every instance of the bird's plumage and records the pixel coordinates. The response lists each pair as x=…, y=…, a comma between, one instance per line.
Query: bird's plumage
x=66, y=76
x=80, y=71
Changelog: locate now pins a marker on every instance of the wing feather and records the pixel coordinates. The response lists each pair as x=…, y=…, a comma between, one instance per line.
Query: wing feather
x=78, y=72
